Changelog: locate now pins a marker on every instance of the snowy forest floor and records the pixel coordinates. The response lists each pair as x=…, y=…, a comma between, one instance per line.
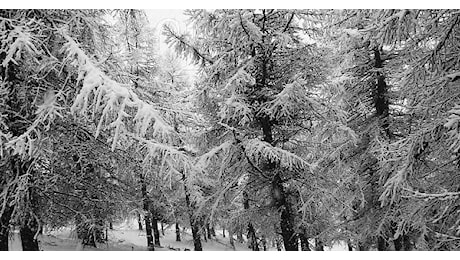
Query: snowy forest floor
x=126, y=238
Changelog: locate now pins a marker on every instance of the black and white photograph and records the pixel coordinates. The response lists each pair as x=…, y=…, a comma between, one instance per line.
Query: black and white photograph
x=229, y=129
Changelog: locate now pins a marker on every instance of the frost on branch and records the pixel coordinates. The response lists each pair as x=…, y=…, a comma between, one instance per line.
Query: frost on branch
x=258, y=151
x=104, y=97
x=235, y=109
x=288, y=101
x=452, y=125
x=15, y=42
x=205, y=159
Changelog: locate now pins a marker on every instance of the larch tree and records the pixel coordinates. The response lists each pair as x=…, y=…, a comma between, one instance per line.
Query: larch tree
x=403, y=64
x=52, y=70
x=261, y=95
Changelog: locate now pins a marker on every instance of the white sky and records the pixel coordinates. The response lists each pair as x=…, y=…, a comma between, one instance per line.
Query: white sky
x=158, y=17
x=175, y=17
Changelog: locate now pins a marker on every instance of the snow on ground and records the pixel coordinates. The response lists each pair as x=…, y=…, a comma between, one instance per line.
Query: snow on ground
x=128, y=239
x=125, y=237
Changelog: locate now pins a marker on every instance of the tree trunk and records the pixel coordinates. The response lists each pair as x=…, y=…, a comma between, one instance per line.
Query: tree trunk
x=349, y=245
x=139, y=221
x=362, y=246
x=252, y=238
x=208, y=231
x=278, y=244
x=407, y=245
x=287, y=228
x=162, y=228
x=177, y=232
x=319, y=245
x=29, y=243
x=382, y=245
x=223, y=232
x=111, y=225
x=230, y=235
x=193, y=221
x=304, y=245
x=213, y=231
x=239, y=235
x=156, y=232
x=402, y=243
x=264, y=243
x=146, y=207
x=4, y=228
x=203, y=229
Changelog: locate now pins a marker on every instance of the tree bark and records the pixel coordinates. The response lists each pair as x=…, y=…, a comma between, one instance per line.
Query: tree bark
x=239, y=235
x=177, y=232
x=213, y=231
x=287, y=228
x=29, y=243
x=162, y=228
x=349, y=245
x=156, y=232
x=208, y=230
x=230, y=235
x=304, y=245
x=4, y=228
x=146, y=207
x=252, y=238
x=264, y=243
x=382, y=245
x=139, y=221
x=278, y=244
x=193, y=221
x=319, y=245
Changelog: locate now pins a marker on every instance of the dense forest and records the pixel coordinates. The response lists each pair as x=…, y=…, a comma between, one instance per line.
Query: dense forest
x=300, y=129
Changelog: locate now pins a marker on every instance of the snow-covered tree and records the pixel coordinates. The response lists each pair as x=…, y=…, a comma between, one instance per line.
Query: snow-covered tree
x=262, y=96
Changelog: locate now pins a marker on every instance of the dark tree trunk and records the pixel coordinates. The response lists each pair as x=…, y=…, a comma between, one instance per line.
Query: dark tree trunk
x=208, y=231
x=146, y=207
x=156, y=232
x=29, y=243
x=4, y=228
x=402, y=243
x=319, y=245
x=252, y=238
x=213, y=231
x=239, y=235
x=162, y=228
x=362, y=246
x=407, y=245
x=381, y=102
x=203, y=229
x=382, y=245
x=84, y=233
x=111, y=225
x=193, y=221
x=278, y=244
x=304, y=245
x=223, y=231
x=287, y=228
x=230, y=235
x=139, y=221
x=177, y=232
x=264, y=243
x=349, y=245
x=398, y=244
